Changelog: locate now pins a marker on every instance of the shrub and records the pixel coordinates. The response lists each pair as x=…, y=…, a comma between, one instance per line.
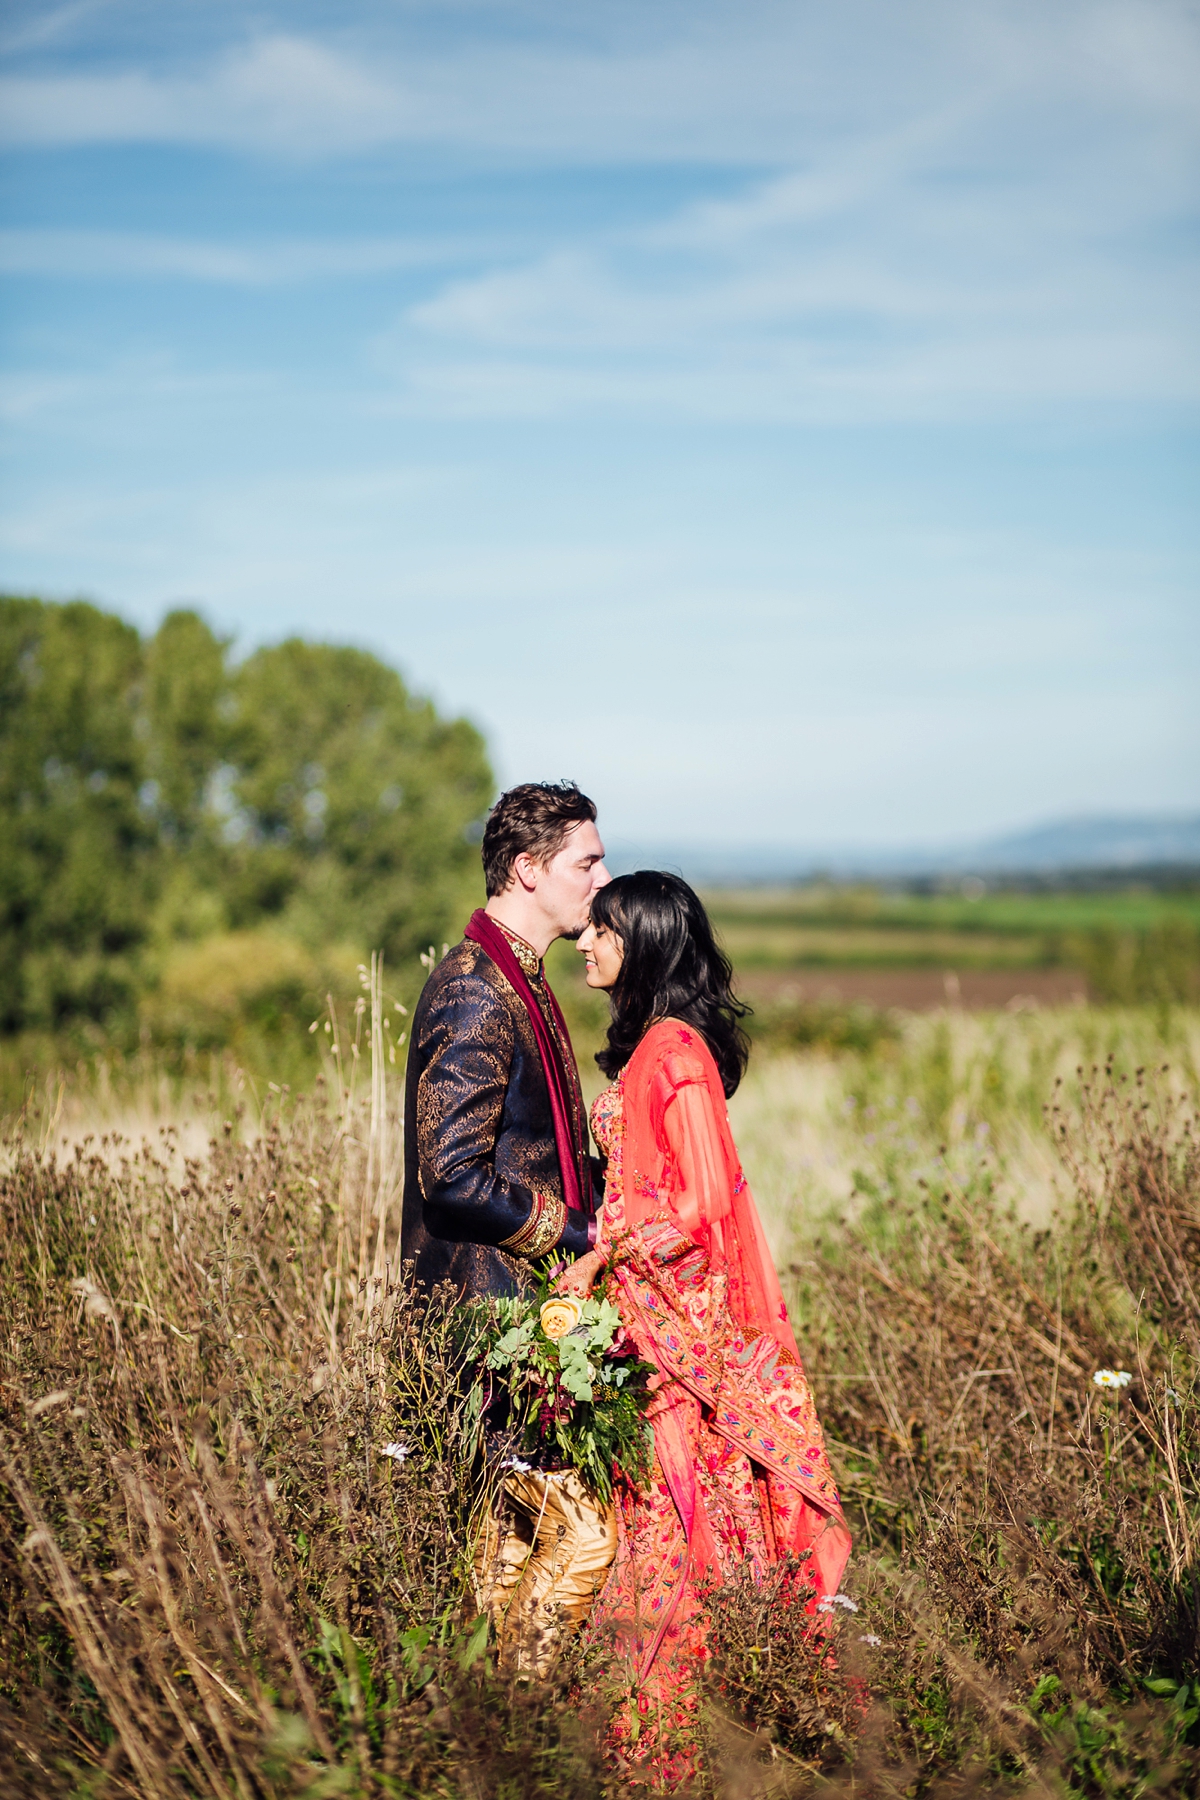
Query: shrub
x=212, y=990
x=800, y=1025
x=1160, y=964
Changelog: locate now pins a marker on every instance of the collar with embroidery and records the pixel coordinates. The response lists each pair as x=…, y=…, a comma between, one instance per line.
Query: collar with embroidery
x=526, y=955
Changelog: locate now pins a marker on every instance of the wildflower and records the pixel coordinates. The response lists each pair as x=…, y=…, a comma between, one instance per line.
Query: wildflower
x=1172, y=1395
x=397, y=1452
x=1112, y=1378
x=829, y=1601
x=868, y=1637
x=516, y=1465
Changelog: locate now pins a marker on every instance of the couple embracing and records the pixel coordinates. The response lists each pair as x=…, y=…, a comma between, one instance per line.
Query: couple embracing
x=500, y=1182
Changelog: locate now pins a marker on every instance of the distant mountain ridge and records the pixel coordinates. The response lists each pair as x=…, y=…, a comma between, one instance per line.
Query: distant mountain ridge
x=1068, y=846
x=1112, y=843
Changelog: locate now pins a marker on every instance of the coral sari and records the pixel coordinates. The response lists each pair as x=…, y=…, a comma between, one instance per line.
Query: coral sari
x=740, y=1472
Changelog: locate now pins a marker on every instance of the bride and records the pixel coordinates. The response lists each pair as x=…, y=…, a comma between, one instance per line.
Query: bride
x=739, y=1471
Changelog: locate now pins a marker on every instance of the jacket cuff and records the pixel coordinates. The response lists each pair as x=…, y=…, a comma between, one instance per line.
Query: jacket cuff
x=541, y=1231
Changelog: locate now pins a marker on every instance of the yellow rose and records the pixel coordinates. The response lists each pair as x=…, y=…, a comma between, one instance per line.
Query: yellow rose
x=559, y=1315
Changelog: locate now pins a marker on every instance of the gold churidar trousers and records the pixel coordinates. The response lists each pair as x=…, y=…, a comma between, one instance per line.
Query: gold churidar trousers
x=541, y=1559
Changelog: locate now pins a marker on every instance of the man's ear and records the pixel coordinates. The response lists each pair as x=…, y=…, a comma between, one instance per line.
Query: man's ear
x=526, y=871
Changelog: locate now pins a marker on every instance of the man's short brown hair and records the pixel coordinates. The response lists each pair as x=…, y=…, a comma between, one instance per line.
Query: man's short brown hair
x=531, y=820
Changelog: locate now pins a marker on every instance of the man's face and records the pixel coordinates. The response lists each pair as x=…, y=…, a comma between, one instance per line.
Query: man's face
x=567, y=882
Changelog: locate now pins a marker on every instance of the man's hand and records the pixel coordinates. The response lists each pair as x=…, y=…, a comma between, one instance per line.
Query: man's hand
x=580, y=1277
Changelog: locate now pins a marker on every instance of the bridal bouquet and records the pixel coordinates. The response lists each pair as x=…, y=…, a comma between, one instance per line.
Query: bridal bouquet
x=576, y=1394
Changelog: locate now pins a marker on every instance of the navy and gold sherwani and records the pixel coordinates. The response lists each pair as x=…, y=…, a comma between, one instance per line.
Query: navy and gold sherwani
x=483, y=1187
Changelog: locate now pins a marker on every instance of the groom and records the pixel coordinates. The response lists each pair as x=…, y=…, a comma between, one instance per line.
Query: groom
x=497, y=1172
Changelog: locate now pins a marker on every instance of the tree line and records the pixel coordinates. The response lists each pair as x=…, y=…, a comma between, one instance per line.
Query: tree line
x=156, y=793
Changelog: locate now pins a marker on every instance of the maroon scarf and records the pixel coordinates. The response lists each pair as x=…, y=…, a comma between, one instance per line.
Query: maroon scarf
x=487, y=934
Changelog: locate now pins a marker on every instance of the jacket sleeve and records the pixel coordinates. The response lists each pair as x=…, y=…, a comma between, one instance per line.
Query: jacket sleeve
x=467, y=1048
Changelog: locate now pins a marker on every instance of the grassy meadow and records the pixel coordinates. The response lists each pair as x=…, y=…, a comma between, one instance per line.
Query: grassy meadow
x=1122, y=944
x=216, y=1583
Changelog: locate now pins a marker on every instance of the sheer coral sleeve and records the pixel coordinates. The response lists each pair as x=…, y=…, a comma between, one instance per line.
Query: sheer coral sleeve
x=697, y=1173
x=680, y=1161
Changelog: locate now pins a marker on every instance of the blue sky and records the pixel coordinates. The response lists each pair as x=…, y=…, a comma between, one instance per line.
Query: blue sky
x=780, y=417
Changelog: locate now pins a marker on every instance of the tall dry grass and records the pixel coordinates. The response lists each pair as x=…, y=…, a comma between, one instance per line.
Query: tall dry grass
x=1031, y=1538
x=216, y=1581
x=816, y=1129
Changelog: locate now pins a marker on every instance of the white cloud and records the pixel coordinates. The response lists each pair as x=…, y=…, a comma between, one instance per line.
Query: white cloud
x=102, y=404
x=280, y=92
x=134, y=255
x=873, y=283
x=48, y=27
x=966, y=210
x=756, y=83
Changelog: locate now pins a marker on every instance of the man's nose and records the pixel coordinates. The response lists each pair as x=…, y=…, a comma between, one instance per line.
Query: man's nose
x=600, y=876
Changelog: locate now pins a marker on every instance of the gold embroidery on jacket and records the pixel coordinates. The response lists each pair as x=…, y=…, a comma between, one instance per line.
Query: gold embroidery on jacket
x=541, y=1230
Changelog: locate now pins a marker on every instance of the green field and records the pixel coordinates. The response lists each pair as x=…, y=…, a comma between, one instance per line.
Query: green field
x=872, y=927
x=1005, y=912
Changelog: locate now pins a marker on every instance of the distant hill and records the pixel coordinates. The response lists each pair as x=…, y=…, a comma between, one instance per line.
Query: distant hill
x=1112, y=843
x=1157, y=842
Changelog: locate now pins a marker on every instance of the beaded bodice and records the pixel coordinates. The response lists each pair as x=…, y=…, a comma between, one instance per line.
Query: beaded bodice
x=608, y=1129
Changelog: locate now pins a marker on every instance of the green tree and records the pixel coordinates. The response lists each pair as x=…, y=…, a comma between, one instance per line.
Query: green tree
x=150, y=791
x=77, y=850
x=189, y=706
x=352, y=803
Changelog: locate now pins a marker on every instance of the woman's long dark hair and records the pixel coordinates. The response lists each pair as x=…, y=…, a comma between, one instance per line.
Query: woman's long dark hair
x=673, y=968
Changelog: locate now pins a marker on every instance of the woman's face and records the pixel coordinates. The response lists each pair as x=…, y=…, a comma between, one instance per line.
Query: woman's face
x=603, y=954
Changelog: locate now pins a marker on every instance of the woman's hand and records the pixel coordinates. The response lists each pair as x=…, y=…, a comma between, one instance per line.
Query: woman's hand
x=580, y=1277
